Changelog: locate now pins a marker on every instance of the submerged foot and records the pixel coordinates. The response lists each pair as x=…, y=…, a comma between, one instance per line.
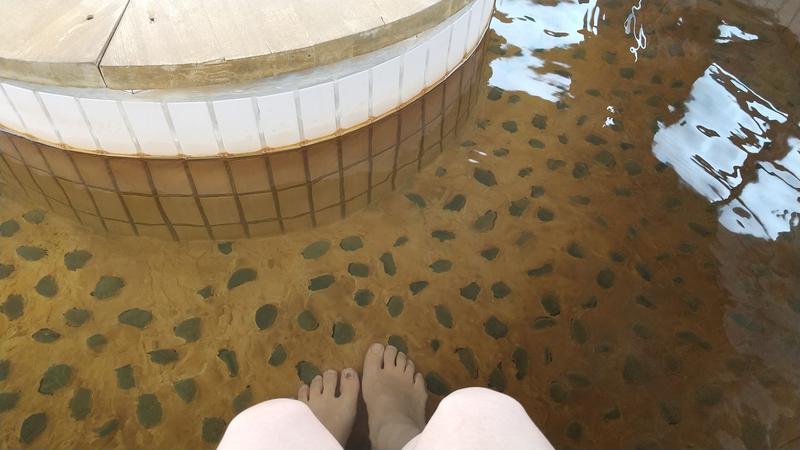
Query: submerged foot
x=395, y=396
x=336, y=413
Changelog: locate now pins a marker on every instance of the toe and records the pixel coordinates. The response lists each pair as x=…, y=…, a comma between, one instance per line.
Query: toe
x=374, y=358
x=389, y=356
x=302, y=393
x=349, y=384
x=410, y=368
x=316, y=387
x=401, y=362
x=329, y=379
x=419, y=380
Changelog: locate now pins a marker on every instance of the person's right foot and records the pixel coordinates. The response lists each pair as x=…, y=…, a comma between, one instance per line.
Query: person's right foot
x=395, y=396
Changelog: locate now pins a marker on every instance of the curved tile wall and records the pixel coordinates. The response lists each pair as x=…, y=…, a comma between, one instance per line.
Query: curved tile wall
x=223, y=122
x=226, y=196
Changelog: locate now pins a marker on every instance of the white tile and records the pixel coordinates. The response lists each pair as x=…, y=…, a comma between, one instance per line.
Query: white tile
x=353, y=99
x=236, y=121
x=149, y=124
x=193, y=128
x=68, y=120
x=108, y=126
x=9, y=117
x=385, y=86
x=278, y=116
x=413, y=72
x=36, y=121
x=476, y=25
x=318, y=110
x=437, y=57
x=488, y=9
x=458, y=42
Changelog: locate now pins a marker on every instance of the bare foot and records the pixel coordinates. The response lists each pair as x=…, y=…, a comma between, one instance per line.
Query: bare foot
x=395, y=397
x=336, y=413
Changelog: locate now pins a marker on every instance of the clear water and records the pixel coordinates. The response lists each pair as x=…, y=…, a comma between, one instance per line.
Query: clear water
x=615, y=243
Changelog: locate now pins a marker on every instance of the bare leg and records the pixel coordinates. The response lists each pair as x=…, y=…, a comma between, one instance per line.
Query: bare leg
x=395, y=396
x=336, y=413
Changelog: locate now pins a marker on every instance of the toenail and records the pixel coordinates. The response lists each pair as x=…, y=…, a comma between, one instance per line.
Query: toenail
x=376, y=348
x=348, y=373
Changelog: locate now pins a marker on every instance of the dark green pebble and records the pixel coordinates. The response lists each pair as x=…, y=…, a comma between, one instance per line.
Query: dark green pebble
x=307, y=321
x=456, y=203
x=441, y=265
x=14, y=307
x=9, y=228
x=575, y=250
x=510, y=126
x=525, y=172
x=644, y=271
x=316, y=249
x=5, y=369
x=6, y=270
x=578, y=380
x=494, y=93
x=633, y=371
x=440, y=172
x=229, y=358
x=551, y=304
x=642, y=331
x=555, y=164
x=605, y=278
x=520, y=360
x=467, y=359
x=485, y=222
x=213, y=429
x=537, y=191
x=543, y=322
x=343, y=333
x=32, y=427
x=484, y=176
x=644, y=301
x=500, y=152
x=107, y=428
x=242, y=400
x=700, y=229
x=616, y=256
x=557, y=392
x=443, y=235
x=265, y=316
x=149, y=411
x=206, y=292
x=351, y=243
x=545, y=214
x=579, y=200
x=443, y=316
x=186, y=389
x=578, y=331
x=593, y=92
x=518, y=207
x=321, y=282
x=416, y=199
x=470, y=291
x=241, y=277
x=612, y=414
x=609, y=57
x=633, y=168
x=125, y=377
x=107, y=287
x=76, y=317
x=306, y=371
x=80, y=405
x=580, y=170
x=435, y=344
x=605, y=158
x=55, y=378
x=524, y=236
x=389, y=266
x=225, y=247
x=497, y=380
x=539, y=121
x=626, y=72
x=363, y=297
x=589, y=303
x=671, y=412
x=8, y=400
x=691, y=338
x=490, y=253
x=436, y=384
x=575, y=431
x=500, y=290
x=31, y=253
x=417, y=286
x=34, y=216
x=163, y=356
x=77, y=259
x=136, y=317
x=541, y=270
x=359, y=270
x=46, y=335
x=96, y=342
x=395, y=305
x=278, y=356
x=708, y=394
x=397, y=342
x=581, y=120
x=495, y=328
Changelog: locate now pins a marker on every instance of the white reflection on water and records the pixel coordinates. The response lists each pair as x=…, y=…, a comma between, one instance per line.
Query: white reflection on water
x=729, y=33
x=726, y=124
x=562, y=25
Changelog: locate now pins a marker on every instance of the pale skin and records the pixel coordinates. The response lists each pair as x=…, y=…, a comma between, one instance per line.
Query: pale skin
x=393, y=391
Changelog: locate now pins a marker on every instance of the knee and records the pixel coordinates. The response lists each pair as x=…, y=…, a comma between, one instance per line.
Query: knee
x=268, y=411
x=467, y=399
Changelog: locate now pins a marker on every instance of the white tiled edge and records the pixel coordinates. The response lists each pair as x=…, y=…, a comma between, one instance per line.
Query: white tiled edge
x=245, y=124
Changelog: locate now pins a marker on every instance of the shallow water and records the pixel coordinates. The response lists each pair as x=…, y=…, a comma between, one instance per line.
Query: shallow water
x=615, y=243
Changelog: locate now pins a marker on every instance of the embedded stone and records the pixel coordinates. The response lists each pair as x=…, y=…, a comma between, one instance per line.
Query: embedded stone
x=395, y=305
x=206, y=292
x=8, y=400
x=545, y=214
x=490, y=253
x=575, y=431
x=417, y=286
x=229, y=358
x=213, y=429
x=9, y=228
x=551, y=304
x=443, y=235
x=107, y=287
x=351, y=243
x=539, y=121
x=76, y=259
x=536, y=144
x=443, y=316
x=242, y=400
x=389, y=266
x=401, y=241
x=485, y=222
x=605, y=278
x=13, y=307
x=541, y=270
x=136, y=317
x=46, y=335
x=633, y=371
x=32, y=427
x=363, y=297
x=456, y=203
x=316, y=249
x=671, y=412
x=6, y=270
x=107, y=428
x=484, y=176
x=416, y=199
x=34, y=216
x=497, y=380
x=557, y=392
x=31, y=253
x=125, y=377
x=80, y=405
x=495, y=328
x=470, y=291
x=225, y=247
x=307, y=321
x=578, y=332
x=518, y=207
x=520, y=360
x=47, y=287
x=149, y=411
x=343, y=333
x=359, y=270
x=580, y=170
x=708, y=394
x=5, y=369
x=543, y=322
x=55, y=378
x=510, y=126
x=691, y=338
x=241, y=277
x=441, y=265
x=397, y=342
x=76, y=317
x=278, y=356
x=266, y=316
x=500, y=290
x=96, y=342
x=555, y=164
x=163, y=356
x=186, y=389
x=467, y=358
x=436, y=384
x=605, y=158
x=321, y=282
x=306, y=371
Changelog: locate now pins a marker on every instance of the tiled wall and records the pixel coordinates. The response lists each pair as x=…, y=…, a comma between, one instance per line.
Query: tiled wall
x=118, y=122
x=243, y=196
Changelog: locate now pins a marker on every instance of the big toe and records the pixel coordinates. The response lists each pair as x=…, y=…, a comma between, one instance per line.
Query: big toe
x=373, y=359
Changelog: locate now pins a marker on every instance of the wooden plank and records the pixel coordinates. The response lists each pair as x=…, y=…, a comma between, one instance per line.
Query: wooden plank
x=56, y=41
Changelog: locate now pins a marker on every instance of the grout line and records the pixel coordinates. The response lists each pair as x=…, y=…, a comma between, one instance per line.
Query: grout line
x=58, y=182
x=88, y=124
x=337, y=107
x=212, y=113
x=298, y=111
x=171, y=126
x=86, y=187
x=14, y=107
x=257, y=112
x=275, y=199
x=13, y=174
x=47, y=116
x=236, y=199
x=340, y=160
x=197, y=201
x=30, y=173
x=160, y=207
x=113, y=178
x=308, y=185
x=127, y=122
x=370, y=165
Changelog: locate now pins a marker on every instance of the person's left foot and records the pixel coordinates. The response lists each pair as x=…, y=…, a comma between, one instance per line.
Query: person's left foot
x=336, y=413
